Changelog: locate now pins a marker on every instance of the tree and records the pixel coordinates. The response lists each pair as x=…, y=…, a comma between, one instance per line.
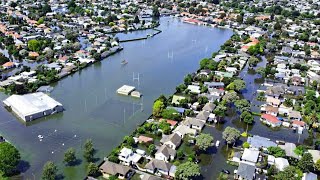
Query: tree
x=187, y=170
x=171, y=114
x=242, y=105
x=245, y=145
x=288, y=173
x=204, y=141
x=152, y=149
x=246, y=117
x=34, y=45
x=261, y=71
x=155, y=11
x=9, y=158
x=92, y=170
x=240, y=19
x=136, y=19
x=317, y=165
x=88, y=150
x=253, y=61
x=277, y=26
x=276, y=151
x=157, y=108
x=70, y=156
x=239, y=84
x=299, y=150
x=306, y=163
x=129, y=140
x=230, y=97
x=231, y=135
x=50, y=171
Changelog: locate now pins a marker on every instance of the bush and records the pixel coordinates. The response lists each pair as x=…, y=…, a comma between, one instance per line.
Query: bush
x=246, y=145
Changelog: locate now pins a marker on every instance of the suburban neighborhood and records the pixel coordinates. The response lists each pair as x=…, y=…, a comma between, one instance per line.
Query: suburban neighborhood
x=250, y=111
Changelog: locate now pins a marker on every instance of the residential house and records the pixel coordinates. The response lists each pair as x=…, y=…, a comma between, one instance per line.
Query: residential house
x=144, y=139
x=275, y=91
x=270, y=120
x=245, y=171
x=183, y=130
x=203, y=115
x=273, y=101
x=8, y=65
x=214, y=85
x=194, y=123
x=165, y=153
x=150, y=177
x=173, y=140
x=294, y=115
x=163, y=167
x=289, y=149
x=250, y=156
x=128, y=157
x=194, y=89
x=309, y=176
x=281, y=163
x=271, y=160
x=209, y=107
x=298, y=124
x=176, y=99
x=315, y=154
x=270, y=110
x=258, y=142
x=112, y=169
x=236, y=157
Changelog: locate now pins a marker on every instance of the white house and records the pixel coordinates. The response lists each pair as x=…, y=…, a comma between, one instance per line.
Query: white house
x=165, y=153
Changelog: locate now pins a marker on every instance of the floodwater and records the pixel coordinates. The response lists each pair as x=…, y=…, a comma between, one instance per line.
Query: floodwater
x=94, y=110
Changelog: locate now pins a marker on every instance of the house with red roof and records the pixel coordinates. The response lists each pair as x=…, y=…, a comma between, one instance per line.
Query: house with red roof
x=297, y=124
x=270, y=120
x=8, y=65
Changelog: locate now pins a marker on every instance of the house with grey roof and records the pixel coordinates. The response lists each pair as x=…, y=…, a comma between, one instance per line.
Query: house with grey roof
x=173, y=140
x=164, y=168
x=183, y=130
x=245, y=171
x=309, y=176
x=203, y=115
x=209, y=107
x=258, y=142
x=194, y=123
x=250, y=156
x=165, y=153
x=289, y=149
x=112, y=169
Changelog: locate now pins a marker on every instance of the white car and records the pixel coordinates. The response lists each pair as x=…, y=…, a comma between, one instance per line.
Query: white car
x=217, y=143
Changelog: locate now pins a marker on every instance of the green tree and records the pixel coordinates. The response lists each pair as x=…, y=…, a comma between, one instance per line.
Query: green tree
x=155, y=11
x=230, y=96
x=204, y=141
x=245, y=145
x=306, y=163
x=129, y=140
x=50, y=171
x=242, y=105
x=152, y=149
x=239, y=84
x=9, y=158
x=136, y=19
x=261, y=71
x=277, y=26
x=299, y=150
x=253, y=61
x=231, y=135
x=288, y=173
x=157, y=109
x=171, y=113
x=276, y=151
x=70, y=156
x=34, y=45
x=317, y=165
x=187, y=170
x=92, y=170
x=246, y=117
x=88, y=150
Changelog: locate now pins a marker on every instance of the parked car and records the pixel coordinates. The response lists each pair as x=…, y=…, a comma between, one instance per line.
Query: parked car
x=225, y=171
x=217, y=143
